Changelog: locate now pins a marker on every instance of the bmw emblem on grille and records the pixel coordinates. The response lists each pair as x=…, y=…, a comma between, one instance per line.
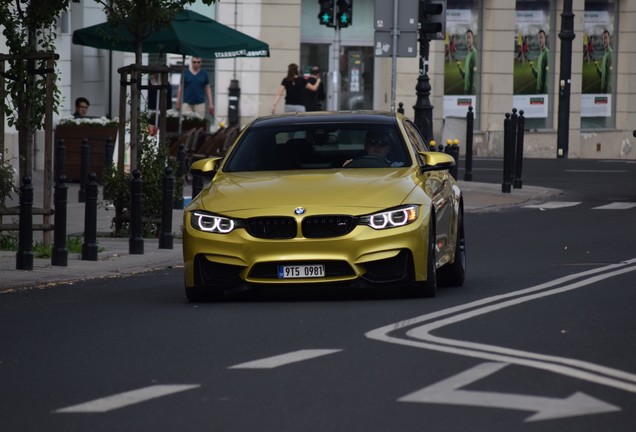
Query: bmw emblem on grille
x=299, y=210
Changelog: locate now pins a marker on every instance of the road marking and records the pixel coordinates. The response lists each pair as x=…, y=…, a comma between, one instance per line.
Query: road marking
x=545, y=408
x=284, y=359
x=414, y=333
x=122, y=400
x=616, y=206
x=550, y=205
x=595, y=171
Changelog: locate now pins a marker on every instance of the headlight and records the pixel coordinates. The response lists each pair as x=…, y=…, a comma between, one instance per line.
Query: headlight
x=212, y=223
x=391, y=218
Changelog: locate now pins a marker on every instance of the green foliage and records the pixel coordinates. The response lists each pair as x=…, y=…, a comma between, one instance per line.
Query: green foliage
x=7, y=185
x=152, y=163
x=29, y=27
x=10, y=242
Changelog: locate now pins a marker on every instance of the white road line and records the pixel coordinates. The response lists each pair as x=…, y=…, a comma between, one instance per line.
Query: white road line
x=616, y=206
x=550, y=205
x=449, y=391
x=122, y=400
x=422, y=338
x=595, y=171
x=284, y=359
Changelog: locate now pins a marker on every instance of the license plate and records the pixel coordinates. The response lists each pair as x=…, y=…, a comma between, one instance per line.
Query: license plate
x=301, y=271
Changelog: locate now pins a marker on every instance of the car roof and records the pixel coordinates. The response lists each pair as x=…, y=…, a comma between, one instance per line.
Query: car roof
x=376, y=117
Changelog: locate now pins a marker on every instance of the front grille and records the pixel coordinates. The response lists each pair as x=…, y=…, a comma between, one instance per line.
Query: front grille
x=269, y=270
x=274, y=227
x=327, y=226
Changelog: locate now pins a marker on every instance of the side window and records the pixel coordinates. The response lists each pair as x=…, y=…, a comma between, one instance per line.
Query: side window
x=415, y=137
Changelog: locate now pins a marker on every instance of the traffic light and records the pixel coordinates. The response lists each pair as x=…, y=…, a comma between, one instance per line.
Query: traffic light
x=326, y=14
x=345, y=13
x=433, y=18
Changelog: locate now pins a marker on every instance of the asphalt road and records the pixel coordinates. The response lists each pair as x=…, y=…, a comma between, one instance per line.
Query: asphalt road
x=541, y=338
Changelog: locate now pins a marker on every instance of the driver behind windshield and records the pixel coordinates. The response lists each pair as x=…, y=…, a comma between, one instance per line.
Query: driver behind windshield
x=378, y=144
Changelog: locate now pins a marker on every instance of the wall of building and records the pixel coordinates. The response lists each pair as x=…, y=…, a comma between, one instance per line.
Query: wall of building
x=85, y=72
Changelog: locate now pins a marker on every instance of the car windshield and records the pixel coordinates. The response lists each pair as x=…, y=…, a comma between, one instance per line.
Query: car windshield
x=317, y=146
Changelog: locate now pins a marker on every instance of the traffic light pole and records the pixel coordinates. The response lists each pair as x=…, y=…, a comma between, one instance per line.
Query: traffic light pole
x=335, y=70
x=423, y=117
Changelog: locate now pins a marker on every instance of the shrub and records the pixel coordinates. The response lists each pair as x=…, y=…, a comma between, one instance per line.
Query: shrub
x=7, y=185
x=152, y=163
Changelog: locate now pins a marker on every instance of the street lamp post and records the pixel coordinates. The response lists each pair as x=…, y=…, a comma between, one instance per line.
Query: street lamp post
x=567, y=36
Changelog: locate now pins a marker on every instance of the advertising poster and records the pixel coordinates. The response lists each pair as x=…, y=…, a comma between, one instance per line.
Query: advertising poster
x=461, y=58
x=598, y=59
x=532, y=73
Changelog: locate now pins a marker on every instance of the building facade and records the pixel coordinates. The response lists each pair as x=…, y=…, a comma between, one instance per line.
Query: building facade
x=497, y=55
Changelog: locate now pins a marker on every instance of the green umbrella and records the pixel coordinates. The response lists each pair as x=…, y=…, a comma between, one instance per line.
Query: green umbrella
x=189, y=33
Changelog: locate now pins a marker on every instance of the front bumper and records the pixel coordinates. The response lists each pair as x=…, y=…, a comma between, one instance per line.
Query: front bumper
x=376, y=256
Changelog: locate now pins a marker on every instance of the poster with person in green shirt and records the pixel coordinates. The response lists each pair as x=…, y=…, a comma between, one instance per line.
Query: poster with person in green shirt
x=598, y=69
x=532, y=72
x=461, y=66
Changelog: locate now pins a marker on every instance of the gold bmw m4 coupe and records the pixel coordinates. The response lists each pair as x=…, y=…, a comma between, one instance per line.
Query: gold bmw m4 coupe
x=342, y=198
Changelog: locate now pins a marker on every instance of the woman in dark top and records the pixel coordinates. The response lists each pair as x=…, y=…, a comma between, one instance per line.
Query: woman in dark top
x=293, y=85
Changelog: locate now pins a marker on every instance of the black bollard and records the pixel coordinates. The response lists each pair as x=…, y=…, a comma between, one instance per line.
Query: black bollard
x=165, y=237
x=24, y=256
x=60, y=159
x=109, y=147
x=513, y=143
x=505, y=185
x=136, y=242
x=517, y=183
x=85, y=160
x=59, y=255
x=470, y=121
x=178, y=199
x=89, y=248
x=400, y=108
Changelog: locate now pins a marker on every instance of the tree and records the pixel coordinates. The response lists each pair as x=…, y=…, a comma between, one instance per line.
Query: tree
x=141, y=19
x=29, y=27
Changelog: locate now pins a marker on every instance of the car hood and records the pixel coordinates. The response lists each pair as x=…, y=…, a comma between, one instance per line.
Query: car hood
x=353, y=191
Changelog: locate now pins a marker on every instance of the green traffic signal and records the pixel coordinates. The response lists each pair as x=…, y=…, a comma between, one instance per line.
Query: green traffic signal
x=345, y=12
x=326, y=13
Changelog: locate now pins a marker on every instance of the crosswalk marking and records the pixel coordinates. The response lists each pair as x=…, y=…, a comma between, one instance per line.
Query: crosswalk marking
x=284, y=359
x=616, y=206
x=554, y=204
x=121, y=400
x=551, y=205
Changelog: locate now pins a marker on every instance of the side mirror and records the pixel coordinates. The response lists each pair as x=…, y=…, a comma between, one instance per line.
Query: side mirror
x=437, y=161
x=205, y=168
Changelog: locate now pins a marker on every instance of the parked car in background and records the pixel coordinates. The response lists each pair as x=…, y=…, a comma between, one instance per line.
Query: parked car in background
x=325, y=198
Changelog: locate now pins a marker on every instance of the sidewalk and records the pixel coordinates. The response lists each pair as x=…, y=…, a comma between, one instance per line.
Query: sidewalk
x=114, y=260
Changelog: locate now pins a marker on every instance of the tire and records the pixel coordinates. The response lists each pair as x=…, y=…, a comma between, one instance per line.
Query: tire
x=427, y=288
x=454, y=274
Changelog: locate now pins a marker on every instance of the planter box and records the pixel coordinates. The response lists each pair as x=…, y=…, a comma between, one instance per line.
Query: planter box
x=73, y=136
